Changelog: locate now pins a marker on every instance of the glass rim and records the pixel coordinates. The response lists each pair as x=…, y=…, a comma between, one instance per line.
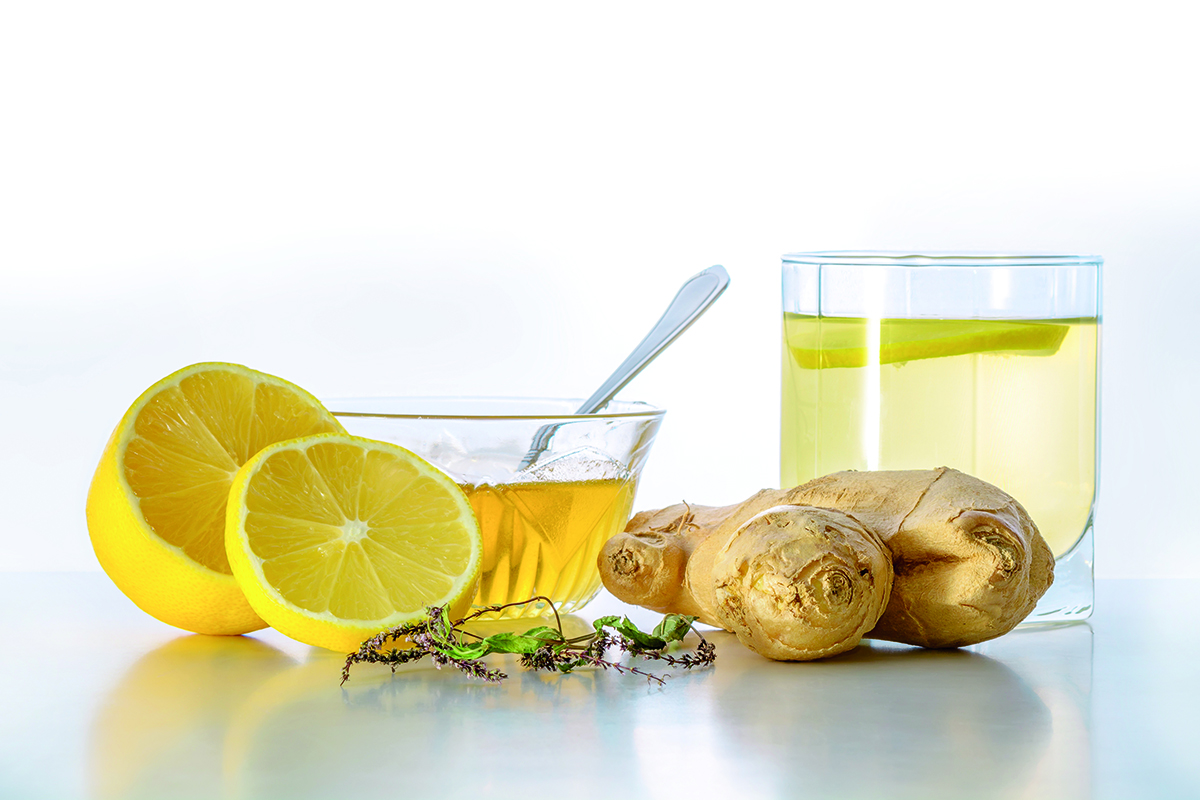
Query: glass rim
x=634, y=409
x=907, y=258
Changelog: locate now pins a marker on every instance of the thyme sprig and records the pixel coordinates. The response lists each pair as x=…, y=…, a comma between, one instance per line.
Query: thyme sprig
x=448, y=643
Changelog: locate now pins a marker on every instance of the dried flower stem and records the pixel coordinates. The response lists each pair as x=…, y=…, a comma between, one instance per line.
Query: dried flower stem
x=540, y=648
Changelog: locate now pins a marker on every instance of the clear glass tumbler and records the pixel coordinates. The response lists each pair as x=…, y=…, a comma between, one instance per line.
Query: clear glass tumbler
x=543, y=523
x=985, y=363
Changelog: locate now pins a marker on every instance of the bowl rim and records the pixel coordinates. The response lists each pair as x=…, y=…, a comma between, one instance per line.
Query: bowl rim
x=629, y=409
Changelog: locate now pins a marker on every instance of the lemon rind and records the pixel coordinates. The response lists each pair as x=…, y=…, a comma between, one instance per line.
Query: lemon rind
x=159, y=577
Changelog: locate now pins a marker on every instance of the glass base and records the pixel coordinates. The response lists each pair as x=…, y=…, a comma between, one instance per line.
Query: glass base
x=539, y=608
x=1072, y=595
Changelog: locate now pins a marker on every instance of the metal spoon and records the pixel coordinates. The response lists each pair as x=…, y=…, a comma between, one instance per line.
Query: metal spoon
x=693, y=298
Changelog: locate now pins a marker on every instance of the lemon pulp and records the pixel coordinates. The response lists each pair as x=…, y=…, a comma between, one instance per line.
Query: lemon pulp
x=156, y=506
x=335, y=538
x=189, y=441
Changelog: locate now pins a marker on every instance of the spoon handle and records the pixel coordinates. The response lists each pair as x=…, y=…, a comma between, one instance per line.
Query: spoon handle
x=695, y=296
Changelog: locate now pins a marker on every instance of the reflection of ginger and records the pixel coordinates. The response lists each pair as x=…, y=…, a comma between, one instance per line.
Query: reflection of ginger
x=800, y=573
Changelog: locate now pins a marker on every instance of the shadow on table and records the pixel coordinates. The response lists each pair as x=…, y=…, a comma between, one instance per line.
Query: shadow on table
x=892, y=721
x=946, y=724
x=232, y=717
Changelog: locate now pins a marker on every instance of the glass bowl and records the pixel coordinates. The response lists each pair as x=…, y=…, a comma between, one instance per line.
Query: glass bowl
x=543, y=522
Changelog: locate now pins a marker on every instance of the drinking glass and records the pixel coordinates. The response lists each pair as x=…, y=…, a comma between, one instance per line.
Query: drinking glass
x=543, y=525
x=985, y=363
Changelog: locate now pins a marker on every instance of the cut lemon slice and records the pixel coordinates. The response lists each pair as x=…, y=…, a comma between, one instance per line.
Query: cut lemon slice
x=156, y=507
x=844, y=342
x=334, y=538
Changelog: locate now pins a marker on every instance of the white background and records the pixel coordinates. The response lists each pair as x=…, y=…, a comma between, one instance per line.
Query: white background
x=500, y=198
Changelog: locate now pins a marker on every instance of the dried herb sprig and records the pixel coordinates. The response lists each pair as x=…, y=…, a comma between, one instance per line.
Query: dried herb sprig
x=540, y=648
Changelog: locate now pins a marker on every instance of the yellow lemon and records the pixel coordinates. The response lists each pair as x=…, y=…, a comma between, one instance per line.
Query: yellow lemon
x=156, y=507
x=334, y=538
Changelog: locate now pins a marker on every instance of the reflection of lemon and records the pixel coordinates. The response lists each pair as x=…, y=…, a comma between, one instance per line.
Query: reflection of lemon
x=165, y=722
x=156, y=508
x=300, y=735
x=334, y=538
x=828, y=342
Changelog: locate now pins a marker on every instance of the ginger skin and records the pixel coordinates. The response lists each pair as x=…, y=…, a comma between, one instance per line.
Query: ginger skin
x=794, y=583
x=968, y=562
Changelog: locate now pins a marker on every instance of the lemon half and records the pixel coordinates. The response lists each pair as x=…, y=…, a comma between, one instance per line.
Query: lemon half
x=156, y=507
x=334, y=538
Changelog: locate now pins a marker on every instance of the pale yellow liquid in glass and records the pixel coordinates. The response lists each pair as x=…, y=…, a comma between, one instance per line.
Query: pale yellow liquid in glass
x=544, y=538
x=1011, y=402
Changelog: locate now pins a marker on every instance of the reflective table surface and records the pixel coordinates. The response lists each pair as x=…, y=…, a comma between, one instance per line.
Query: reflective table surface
x=102, y=701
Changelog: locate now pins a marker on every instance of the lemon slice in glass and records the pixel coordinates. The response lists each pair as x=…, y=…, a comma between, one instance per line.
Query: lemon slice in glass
x=156, y=507
x=830, y=342
x=334, y=538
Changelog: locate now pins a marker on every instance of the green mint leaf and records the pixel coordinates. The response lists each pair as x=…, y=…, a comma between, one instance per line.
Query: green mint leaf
x=605, y=622
x=468, y=651
x=566, y=665
x=445, y=626
x=544, y=635
x=674, y=627
x=512, y=643
x=640, y=640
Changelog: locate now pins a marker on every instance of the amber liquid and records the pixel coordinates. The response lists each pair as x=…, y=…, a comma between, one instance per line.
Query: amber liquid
x=544, y=538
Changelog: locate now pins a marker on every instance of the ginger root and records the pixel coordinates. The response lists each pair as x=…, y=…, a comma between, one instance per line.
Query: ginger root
x=802, y=573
